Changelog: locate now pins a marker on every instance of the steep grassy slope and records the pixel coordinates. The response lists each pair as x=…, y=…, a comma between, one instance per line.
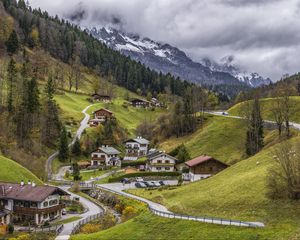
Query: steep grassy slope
x=129, y=117
x=239, y=192
x=11, y=171
x=266, y=108
x=221, y=137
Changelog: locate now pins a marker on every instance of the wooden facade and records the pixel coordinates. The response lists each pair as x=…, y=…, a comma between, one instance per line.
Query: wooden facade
x=211, y=167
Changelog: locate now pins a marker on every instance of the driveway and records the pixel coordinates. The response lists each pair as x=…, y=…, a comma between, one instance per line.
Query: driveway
x=119, y=189
x=92, y=210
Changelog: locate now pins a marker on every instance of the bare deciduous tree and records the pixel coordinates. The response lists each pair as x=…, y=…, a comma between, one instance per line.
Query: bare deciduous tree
x=284, y=177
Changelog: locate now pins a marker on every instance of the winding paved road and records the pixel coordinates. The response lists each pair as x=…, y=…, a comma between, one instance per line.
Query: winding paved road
x=162, y=211
x=83, y=126
x=220, y=113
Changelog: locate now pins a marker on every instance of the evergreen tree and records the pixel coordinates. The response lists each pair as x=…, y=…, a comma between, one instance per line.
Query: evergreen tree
x=254, y=137
x=21, y=115
x=11, y=84
x=76, y=172
x=63, y=149
x=33, y=95
x=76, y=148
x=12, y=44
x=50, y=119
x=183, y=154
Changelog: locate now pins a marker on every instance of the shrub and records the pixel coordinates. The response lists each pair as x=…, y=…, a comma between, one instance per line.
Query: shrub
x=128, y=213
x=90, y=228
x=108, y=221
x=11, y=229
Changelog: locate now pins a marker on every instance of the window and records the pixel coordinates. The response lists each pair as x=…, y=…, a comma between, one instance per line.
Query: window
x=167, y=161
x=211, y=169
x=45, y=204
x=167, y=168
x=95, y=155
x=158, y=168
x=53, y=202
x=158, y=161
x=45, y=216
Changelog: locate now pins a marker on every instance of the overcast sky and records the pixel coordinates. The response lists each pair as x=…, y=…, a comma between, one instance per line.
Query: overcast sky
x=262, y=35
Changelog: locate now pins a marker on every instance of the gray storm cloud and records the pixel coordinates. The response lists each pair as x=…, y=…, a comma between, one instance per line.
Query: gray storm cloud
x=263, y=35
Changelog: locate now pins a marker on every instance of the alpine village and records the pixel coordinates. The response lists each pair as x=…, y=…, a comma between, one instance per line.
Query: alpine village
x=95, y=144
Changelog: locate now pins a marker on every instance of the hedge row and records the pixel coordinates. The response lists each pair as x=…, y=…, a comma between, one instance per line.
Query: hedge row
x=144, y=174
x=132, y=163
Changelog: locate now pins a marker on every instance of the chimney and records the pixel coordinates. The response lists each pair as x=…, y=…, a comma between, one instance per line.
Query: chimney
x=22, y=183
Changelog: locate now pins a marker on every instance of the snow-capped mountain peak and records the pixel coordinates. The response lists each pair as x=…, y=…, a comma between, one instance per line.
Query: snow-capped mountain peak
x=166, y=58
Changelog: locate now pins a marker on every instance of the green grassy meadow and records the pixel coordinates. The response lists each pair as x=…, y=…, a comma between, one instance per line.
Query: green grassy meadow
x=10, y=171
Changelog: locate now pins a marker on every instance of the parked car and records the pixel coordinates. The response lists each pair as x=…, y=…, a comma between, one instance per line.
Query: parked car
x=125, y=180
x=140, y=185
x=64, y=212
x=156, y=184
x=162, y=183
x=150, y=184
x=139, y=179
x=225, y=113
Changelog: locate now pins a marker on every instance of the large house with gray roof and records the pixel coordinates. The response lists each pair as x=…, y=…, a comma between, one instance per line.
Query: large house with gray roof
x=136, y=147
x=29, y=203
x=159, y=161
x=105, y=156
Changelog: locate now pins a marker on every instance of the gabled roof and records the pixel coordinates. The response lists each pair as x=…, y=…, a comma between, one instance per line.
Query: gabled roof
x=109, y=150
x=139, y=140
x=157, y=154
x=103, y=109
x=27, y=192
x=201, y=159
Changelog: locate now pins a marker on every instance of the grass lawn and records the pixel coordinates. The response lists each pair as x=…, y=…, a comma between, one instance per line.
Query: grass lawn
x=67, y=220
x=87, y=175
x=10, y=171
x=238, y=192
x=221, y=137
x=266, y=108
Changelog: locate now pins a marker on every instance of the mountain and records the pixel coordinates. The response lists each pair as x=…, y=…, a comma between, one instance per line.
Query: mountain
x=166, y=58
x=227, y=65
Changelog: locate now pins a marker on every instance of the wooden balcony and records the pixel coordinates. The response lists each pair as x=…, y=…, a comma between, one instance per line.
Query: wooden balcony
x=98, y=158
x=27, y=210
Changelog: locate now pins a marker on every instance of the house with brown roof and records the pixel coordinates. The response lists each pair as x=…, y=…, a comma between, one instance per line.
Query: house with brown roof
x=101, y=116
x=140, y=103
x=101, y=97
x=29, y=203
x=203, y=167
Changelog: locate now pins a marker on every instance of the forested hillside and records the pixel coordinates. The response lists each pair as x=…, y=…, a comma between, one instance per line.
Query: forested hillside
x=70, y=44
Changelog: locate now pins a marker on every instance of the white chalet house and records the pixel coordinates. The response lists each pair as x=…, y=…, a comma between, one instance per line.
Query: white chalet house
x=105, y=156
x=159, y=161
x=29, y=203
x=136, y=147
